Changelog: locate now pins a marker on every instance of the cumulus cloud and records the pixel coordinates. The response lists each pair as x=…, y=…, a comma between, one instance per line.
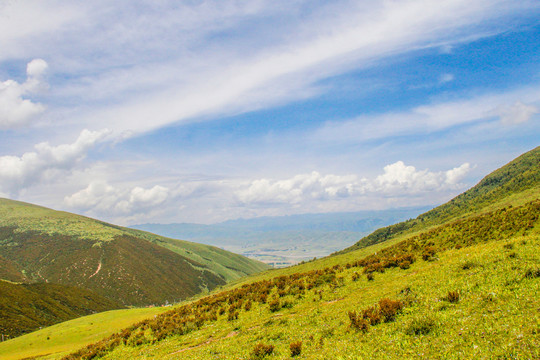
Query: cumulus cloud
x=300, y=187
x=15, y=108
x=100, y=197
x=516, y=113
x=398, y=179
x=18, y=172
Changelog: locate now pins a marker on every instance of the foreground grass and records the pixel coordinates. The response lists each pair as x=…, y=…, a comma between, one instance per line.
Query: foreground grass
x=496, y=315
x=68, y=336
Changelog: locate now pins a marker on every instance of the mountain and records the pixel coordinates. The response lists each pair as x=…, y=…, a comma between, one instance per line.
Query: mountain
x=28, y=307
x=286, y=240
x=127, y=266
x=520, y=176
x=464, y=286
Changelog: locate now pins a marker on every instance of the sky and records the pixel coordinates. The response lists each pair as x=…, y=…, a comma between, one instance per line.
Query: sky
x=204, y=111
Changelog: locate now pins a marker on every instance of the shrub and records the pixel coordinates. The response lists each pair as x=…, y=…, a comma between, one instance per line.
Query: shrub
x=532, y=273
x=261, y=350
x=370, y=276
x=420, y=326
x=274, y=305
x=404, y=264
x=428, y=253
x=296, y=348
x=372, y=315
x=468, y=265
x=453, y=296
x=389, y=309
x=358, y=322
x=355, y=276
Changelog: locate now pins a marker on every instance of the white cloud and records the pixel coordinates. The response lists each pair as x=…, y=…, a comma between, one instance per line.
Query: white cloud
x=446, y=78
x=516, y=113
x=397, y=180
x=144, y=72
x=19, y=172
x=15, y=109
x=102, y=198
x=436, y=116
x=300, y=188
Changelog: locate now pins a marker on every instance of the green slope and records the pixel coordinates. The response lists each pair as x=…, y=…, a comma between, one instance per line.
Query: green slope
x=129, y=266
x=28, y=307
x=519, y=178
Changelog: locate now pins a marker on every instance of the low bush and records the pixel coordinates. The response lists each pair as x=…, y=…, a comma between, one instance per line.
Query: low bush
x=420, y=326
x=452, y=296
x=296, y=348
x=358, y=322
x=389, y=309
x=261, y=350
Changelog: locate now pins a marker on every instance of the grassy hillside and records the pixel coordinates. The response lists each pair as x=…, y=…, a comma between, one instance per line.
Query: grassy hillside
x=463, y=288
x=28, y=307
x=24, y=217
x=128, y=266
x=64, y=337
x=520, y=177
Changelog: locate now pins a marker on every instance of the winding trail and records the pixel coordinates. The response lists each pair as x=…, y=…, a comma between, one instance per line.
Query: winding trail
x=98, y=268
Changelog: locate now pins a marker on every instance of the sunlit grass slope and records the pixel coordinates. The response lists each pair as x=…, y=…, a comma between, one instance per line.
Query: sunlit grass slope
x=67, y=336
x=519, y=179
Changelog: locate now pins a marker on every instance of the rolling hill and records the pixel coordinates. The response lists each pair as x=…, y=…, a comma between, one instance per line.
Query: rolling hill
x=127, y=266
x=464, y=286
x=28, y=307
x=520, y=176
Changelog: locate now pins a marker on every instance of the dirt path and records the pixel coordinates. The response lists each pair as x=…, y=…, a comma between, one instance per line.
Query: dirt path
x=98, y=268
x=209, y=341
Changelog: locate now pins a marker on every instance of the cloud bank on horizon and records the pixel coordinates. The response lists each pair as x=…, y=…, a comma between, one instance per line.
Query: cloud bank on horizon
x=211, y=110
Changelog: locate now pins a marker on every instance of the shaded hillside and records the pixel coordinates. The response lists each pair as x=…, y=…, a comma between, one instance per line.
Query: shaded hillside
x=129, y=266
x=28, y=307
x=129, y=270
x=518, y=176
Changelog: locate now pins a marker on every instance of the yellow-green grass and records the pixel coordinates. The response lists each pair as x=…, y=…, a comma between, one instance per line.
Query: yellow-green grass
x=496, y=316
x=71, y=335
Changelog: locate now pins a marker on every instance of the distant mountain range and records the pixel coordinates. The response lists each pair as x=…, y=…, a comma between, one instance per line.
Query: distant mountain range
x=286, y=240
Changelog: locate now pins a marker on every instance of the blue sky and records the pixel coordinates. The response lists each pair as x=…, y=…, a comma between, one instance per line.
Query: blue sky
x=204, y=111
